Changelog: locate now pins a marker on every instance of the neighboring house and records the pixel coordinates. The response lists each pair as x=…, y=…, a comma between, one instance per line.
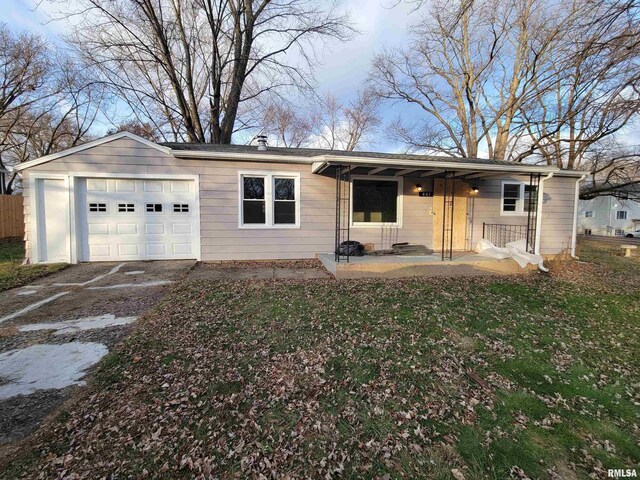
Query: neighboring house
x=125, y=198
x=608, y=216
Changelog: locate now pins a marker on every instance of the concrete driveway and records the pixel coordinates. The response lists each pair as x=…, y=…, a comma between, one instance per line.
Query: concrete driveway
x=83, y=310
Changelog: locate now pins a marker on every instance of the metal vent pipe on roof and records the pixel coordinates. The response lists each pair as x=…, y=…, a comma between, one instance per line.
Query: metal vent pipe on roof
x=262, y=142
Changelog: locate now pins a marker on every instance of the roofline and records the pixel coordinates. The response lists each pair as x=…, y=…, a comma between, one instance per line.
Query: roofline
x=320, y=162
x=323, y=162
x=93, y=143
x=572, y=173
x=258, y=157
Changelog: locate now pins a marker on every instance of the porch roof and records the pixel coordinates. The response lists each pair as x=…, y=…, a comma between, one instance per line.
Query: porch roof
x=434, y=166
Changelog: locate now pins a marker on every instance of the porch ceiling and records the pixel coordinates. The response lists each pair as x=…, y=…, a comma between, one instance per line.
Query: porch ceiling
x=467, y=170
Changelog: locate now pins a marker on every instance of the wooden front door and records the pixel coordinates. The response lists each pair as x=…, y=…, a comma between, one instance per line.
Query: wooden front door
x=459, y=212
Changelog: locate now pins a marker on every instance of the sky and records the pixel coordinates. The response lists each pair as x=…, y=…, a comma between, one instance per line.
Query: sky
x=344, y=66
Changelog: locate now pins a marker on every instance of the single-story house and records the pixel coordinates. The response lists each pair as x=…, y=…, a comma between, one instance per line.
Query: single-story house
x=122, y=197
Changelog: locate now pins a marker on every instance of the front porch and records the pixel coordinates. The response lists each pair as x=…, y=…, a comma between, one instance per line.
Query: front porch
x=462, y=263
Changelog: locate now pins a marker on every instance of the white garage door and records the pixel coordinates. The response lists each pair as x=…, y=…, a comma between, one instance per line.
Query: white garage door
x=130, y=219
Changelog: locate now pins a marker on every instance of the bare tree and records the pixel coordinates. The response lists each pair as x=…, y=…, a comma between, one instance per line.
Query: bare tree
x=144, y=130
x=614, y=170
x=49, y=104
x=191, y=68
x=469, y=67
x=285, y=126
x=595, y=91
x=324, y=122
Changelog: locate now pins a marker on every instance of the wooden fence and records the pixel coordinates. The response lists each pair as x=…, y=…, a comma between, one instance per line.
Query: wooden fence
x=11, y=216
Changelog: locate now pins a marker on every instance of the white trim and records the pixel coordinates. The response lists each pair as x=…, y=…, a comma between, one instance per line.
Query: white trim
x=246, y=157
x=94, y=143
x=269, y=178
x=519, y=212
x=574, y=232
x=34, y=214
x=399, y=202
x=150, y=176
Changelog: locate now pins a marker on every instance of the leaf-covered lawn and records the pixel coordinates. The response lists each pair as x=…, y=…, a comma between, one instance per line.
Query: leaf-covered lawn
x=533, y=376
x=12, y=273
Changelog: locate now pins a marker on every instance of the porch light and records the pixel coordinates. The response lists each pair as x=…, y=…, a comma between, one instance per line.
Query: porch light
x=418, y=187
x=475, y=189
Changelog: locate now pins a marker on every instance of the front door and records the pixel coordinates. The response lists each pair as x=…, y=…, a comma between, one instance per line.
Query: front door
x=461, y=190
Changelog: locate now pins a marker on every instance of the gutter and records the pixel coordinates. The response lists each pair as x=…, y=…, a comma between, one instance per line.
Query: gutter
x=574, y=233
x=541, y=266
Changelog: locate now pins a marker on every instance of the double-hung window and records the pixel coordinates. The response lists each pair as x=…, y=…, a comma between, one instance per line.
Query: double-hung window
x=269, y=200
x=516, y=198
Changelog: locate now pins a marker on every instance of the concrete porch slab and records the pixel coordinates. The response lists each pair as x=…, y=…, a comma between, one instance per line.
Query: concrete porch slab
x=393, y=266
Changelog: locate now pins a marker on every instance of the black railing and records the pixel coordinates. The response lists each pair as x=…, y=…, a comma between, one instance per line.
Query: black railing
x=500, y=234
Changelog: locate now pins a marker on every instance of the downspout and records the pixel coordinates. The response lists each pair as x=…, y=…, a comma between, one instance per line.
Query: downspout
x=575, y=218
x=541, y=266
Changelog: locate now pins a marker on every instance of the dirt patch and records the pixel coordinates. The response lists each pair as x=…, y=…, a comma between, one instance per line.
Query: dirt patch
x=259, y=270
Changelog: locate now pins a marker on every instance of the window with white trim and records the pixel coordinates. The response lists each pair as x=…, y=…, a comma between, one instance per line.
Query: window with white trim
x=376, y=201
x=269, y=200
x=588, y=214
x=513, y=198
x=621, y=215
x=619, y=232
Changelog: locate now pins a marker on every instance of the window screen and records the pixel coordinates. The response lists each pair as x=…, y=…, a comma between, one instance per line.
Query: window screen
x=284, y=201
x=510, y=197
x=253, y=201
x=375, y=201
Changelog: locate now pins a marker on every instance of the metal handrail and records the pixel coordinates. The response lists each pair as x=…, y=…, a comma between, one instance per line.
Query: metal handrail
x=501, y=233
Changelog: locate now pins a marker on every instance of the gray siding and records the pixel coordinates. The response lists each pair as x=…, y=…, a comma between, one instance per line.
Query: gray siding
x=223, y=240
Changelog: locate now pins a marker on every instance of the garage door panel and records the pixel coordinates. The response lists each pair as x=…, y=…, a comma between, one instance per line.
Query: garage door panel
x=127, y=228
x=140, y=219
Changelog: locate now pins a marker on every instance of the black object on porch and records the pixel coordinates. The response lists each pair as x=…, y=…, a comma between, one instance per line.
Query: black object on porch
x=343, y=213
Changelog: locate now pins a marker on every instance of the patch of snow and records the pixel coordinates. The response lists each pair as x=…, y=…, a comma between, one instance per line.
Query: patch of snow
x=88, y=323
x=26, y=292
x=134, y=272
x=41, y=367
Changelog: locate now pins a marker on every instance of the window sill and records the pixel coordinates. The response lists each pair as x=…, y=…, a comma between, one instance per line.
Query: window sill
x=268, y=227
x=513, y=214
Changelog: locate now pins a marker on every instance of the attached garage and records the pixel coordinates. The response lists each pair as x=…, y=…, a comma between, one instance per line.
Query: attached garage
x=137, y=219
x=99, y=202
